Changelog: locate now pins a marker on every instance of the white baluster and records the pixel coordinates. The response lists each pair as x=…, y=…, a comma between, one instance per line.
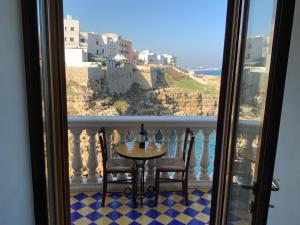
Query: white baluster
x=77, y=160
x=135, y=134
x=92, y=160
x=151, y=163
x=245, y=167
x=122, y=140
x=250, y=137
x=204, y=160
x=192, y=165
x=152, y=133
x=179, y=147
x=165, y=132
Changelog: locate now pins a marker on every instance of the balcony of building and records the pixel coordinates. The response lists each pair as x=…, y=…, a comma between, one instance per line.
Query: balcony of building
x=86, y=169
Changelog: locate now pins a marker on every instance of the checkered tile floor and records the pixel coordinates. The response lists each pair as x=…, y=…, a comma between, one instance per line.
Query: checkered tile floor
x=238, y=213
x=86, y=209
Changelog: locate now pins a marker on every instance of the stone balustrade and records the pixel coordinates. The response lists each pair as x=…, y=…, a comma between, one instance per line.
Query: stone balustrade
x=85, y=161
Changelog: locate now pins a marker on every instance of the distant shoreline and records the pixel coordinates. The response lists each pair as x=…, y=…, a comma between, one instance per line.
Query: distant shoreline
x=207, y=72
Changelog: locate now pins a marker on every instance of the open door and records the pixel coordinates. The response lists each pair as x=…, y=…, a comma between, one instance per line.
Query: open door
x=257, y=46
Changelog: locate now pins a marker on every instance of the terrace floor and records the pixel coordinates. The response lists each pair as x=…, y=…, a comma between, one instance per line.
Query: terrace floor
x=86, y=209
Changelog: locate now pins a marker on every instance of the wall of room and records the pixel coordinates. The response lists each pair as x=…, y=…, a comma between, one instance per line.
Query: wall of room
x=287, y=165
x=16, y=199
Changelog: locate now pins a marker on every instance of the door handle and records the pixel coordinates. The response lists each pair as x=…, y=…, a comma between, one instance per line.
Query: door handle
x=275, y=184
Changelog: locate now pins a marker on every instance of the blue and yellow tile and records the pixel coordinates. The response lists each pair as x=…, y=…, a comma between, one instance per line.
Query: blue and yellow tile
x=171, y=209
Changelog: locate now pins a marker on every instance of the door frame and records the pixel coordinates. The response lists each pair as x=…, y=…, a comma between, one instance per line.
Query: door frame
x=59, y=163
x=275, y=91
x=279, y=61
x=49, y=160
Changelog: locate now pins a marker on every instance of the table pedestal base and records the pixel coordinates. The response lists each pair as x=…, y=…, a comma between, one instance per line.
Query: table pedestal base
x=141, y=169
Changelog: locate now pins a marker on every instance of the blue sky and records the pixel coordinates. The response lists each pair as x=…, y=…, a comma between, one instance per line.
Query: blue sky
x=192, y=30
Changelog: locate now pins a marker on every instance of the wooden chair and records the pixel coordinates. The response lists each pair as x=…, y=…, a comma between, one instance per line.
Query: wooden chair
x=113, y=166
x=176, y=165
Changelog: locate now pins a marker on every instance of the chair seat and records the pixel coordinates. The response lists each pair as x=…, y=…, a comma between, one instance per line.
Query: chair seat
x=170, y=165
x=119, y=166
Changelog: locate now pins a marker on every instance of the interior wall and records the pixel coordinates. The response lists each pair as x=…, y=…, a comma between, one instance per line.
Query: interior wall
x=287, y=165
x=16, y=198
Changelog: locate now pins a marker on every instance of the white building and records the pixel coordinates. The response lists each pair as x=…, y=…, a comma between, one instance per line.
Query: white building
x=75, y=56
x=97, y=47
x=149, y=57
x=256, y=49
x=170, y=60
x=115, y=44
x=111, y=44
x=93, y=43
x=71, y=32
x=92, y=46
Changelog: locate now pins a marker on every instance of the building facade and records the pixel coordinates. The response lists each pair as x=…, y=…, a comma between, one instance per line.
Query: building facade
x=98, y=47
x=256, y=50
x=170, y=60
x=150, y=57
x=71, y=32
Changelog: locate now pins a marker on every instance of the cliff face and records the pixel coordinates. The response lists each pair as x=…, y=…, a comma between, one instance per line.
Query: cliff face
x=183, y=102
x=112, y=80
x=171, y=93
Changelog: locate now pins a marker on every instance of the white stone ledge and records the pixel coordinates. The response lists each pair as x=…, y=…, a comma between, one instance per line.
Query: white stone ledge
x=201, y=122
x=149, y=121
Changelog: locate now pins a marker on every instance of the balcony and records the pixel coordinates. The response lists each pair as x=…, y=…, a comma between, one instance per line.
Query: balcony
x=86, y=168
x=85, y=157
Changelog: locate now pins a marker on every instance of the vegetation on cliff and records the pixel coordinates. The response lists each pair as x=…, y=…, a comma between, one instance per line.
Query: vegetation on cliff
x=174, y=93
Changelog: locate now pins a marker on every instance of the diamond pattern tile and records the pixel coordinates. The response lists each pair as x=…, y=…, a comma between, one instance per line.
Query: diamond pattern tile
x=171, y=209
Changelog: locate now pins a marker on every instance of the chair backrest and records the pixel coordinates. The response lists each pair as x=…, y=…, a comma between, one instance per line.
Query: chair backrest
x=103, y=146
x=188, y=147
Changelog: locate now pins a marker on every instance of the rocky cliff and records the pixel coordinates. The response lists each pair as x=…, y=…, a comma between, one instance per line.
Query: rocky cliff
x=171, y=94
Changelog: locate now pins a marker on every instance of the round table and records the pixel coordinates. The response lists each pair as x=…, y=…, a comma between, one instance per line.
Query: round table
x=131, y=150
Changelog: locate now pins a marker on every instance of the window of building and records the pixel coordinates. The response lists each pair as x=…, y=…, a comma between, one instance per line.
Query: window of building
x=97, y=42
x=71, y=39
x=97, y=52
x=72, y=28
x=65, y=28
x=82, y=40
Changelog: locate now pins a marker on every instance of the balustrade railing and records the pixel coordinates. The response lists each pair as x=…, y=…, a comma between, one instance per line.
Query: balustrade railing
x=85, y=157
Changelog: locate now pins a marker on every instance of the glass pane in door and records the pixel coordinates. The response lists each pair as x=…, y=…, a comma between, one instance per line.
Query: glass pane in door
x=251, y=104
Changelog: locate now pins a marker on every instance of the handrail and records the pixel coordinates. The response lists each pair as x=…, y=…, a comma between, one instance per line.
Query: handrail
x=150, y=121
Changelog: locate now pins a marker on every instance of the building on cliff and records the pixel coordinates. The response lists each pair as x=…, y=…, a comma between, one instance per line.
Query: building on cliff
x=257, y=50
x=89, y=46
x=150, y=57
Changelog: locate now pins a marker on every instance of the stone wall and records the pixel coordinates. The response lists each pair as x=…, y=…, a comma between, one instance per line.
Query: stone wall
x=114, y=80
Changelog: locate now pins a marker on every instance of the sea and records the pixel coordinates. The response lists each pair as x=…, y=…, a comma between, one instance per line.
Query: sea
x=212, y=72
x=199, y=142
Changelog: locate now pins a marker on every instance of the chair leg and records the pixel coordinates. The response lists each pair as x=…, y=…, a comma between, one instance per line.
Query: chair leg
x=182, y=182
x=186, y=192
x=156, y=187
x=104, y=189
x=134, y=188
